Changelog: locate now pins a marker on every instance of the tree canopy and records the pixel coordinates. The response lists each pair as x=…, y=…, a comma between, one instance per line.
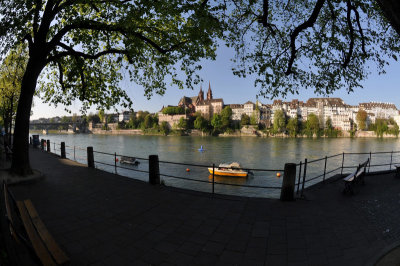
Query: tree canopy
x=323, y=45
x=173, y=110
x=279, y=121
x=87, y=46
x=200, y=123
x=83, y=48
x=312, y=125
x=293, y=126
x=361, y=119
x=11, y=72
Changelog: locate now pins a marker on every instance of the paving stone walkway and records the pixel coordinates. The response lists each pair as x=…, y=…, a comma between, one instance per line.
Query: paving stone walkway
x=103, y=219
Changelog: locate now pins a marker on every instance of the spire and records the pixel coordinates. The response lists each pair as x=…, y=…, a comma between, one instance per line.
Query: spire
x=209, y=93
x=200, y=98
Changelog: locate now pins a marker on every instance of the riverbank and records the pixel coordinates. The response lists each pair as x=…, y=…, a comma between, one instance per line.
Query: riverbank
x=244, y=132
x=239, y=133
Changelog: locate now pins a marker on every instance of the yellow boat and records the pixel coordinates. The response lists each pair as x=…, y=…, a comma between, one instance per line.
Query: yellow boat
x=229, y=169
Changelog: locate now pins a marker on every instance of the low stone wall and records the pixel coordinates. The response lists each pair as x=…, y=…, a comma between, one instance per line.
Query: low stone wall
x=371, y=134
x=117, y=132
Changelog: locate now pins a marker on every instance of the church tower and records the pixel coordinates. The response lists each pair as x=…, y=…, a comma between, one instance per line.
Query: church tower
x=200, y=98
x=209, y=92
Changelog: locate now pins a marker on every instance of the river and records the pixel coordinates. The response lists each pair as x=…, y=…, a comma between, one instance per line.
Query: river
x=251, y=152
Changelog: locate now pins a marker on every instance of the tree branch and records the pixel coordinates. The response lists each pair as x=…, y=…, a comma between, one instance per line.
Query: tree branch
x=93, y=25
x=83, y=89
x=28, y=38
x=351, y=46
x=69, y=51
x=38, y=4
x=360, y=29
x=204, y=3
x=61, y=76
x=264, y=17
x=307, y=24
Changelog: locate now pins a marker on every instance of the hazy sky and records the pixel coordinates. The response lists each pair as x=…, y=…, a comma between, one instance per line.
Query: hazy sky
x=378, y=88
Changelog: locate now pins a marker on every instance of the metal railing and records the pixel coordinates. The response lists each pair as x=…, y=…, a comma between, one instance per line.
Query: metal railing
x=321, y=169
x=166, y=174
x=169, y=171
x=380, y=160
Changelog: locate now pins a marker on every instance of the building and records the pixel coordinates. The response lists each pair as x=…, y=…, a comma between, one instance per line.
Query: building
x=191, y=102
x=381, y=110
x=237, y=111
x=171, y=120
x=209, y=106
x=248, y=108
x=124, y=116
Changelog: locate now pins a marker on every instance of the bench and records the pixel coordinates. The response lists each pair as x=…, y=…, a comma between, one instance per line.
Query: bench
x=40, y=240
x=354, y=178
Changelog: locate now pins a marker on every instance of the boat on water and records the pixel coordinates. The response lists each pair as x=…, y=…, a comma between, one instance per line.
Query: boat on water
x=128, y=160
x=229, y=169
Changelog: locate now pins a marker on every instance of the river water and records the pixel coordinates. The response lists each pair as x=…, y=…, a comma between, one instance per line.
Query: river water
x=251, y=152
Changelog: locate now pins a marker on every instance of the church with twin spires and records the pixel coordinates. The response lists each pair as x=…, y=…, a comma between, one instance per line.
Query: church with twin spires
x=207, y=107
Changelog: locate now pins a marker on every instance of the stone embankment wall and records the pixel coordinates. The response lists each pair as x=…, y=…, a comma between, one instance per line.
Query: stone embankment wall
x=371, y=134
x=117, y=132
x=170, y=119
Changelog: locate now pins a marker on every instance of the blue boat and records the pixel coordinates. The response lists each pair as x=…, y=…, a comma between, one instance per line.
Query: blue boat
x=201, y=149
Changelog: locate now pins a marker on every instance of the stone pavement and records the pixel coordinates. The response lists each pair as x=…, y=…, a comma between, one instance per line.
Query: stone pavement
x=103, y=219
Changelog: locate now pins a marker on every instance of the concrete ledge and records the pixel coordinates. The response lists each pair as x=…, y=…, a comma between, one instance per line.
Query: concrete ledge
x=12, y=179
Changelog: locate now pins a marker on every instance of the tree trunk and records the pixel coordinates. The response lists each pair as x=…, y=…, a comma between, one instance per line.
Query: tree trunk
x=391, y=10
x=20, y=161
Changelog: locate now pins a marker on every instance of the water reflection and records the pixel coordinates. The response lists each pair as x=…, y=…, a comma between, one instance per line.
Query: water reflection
x=228, y=180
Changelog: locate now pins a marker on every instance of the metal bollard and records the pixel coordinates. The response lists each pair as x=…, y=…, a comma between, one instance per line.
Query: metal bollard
x=289, y=181
x=154, y=170
x=63, y=150
x=90, y=157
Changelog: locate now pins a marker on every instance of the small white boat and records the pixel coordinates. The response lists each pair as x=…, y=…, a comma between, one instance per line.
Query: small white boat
x=229, y=169
x=128, y=160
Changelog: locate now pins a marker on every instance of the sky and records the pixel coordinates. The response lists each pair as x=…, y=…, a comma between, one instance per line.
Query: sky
x=234, y=90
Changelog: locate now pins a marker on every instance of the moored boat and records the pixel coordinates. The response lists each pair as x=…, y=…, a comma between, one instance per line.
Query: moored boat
x=128, y=160
x=229, y=169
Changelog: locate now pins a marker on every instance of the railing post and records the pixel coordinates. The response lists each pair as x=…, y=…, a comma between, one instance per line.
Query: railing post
x=298, y=181
x=90, y=157
x=154, y=170
x=30, y=140
x=391, y=157
x=213, y=179
x=369, y=164
x=326, y=159
x=74, y=153
x=304, y=176
x=42, y=144
x=341, y=172
x=63, y=150
x=54, y=147
x=115, y=162
x=48, y=145
x=289, y=181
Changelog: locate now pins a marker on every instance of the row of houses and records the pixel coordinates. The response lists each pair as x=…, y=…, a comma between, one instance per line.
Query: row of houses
x=342, y=115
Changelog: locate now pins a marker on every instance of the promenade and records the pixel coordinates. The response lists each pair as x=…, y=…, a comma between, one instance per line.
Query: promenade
x=103, y=219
